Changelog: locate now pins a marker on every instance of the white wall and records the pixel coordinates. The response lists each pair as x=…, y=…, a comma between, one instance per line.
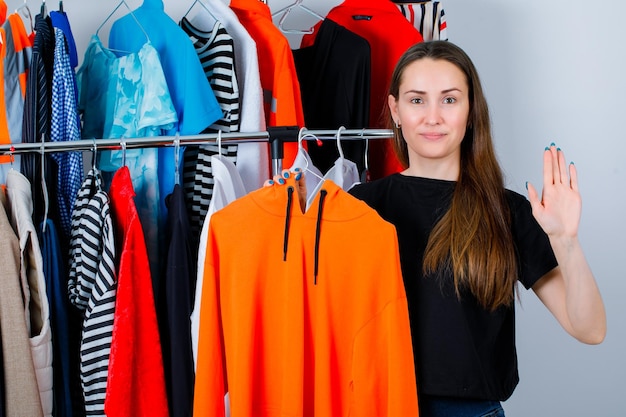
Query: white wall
x=553, y=71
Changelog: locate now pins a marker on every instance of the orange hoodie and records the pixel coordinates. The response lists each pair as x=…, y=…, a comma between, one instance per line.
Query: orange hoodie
x=303, y=314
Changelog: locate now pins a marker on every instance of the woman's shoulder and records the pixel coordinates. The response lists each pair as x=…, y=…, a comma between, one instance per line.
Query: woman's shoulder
x=517, y=201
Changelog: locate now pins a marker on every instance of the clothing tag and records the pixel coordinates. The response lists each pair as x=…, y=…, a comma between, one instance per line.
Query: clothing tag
x=361, y=17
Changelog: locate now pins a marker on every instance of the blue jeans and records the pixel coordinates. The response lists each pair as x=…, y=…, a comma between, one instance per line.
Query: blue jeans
x=455, y=407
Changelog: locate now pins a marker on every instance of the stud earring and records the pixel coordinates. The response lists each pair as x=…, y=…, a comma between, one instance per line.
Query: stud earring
x=397, y=124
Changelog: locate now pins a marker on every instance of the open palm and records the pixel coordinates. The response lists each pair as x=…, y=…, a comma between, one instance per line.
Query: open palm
x=559, y=208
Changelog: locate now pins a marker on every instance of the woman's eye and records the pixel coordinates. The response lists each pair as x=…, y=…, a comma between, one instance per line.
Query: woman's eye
x=417, y=100
x=449, y=100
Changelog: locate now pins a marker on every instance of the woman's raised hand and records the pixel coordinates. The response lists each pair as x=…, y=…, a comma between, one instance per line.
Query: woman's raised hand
x=559, y=209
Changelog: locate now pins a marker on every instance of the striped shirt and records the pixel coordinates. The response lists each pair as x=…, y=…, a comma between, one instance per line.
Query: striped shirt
x=427, y=17
x=92, y=287
x=216, y=51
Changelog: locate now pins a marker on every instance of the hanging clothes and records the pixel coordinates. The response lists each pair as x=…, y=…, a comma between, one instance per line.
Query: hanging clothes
x=92, y=287
x=228, y=187
x=36, y=120
x=194, y=101
x=56, y=290
x=192, y=96
x=215, y=49
x=64, y=127
x=175, y=302
x=16, y=56
x=252, y=117
x=279, y=79
x=136, y=382
x=35, y=305
x=199, y=182
x=291, y=322
x=20, y=381
x=373, y=20
x=335, y=77
x=252, y=158
x=3, y=11
x=124, y=97
x=312, y=175
x=428, y=17
x=60, y=20
x=344, y=173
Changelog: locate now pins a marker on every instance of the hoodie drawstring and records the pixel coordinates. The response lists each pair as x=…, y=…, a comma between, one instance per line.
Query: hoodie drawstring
x=318, y=228
x=287, y=221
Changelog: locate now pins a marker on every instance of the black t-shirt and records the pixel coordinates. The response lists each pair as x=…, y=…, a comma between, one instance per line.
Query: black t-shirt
x=461, y=349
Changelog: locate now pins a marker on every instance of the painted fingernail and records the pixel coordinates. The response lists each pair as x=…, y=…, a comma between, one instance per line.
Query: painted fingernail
x=297, y=169
x=547, y=148
x=558, y=149
x=527, y=185
x=281, y=181
x=286, y=174
x=271, y=182
x=298, y=176
x=553, y=144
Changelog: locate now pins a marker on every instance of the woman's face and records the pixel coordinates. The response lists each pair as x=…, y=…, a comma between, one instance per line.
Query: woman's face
x=432, y=109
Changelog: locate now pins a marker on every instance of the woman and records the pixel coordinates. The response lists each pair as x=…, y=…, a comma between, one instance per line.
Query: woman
x=465, y=241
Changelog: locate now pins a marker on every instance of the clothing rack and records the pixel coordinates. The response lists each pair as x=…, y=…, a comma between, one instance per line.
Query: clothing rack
x=275, y=136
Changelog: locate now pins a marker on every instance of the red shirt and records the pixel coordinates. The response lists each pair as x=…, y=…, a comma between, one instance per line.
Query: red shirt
x=136, y=383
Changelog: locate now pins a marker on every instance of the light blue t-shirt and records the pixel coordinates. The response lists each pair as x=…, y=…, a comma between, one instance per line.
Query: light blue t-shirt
x=194, y=100
x=126, y=97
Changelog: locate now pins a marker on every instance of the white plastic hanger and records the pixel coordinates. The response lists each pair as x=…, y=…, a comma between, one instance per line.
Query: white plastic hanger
x=285, y=12
x=123, y=144
x=204, y=6
x=219, y=143
x=339, y=148
x=24, y=10
x=303, y=155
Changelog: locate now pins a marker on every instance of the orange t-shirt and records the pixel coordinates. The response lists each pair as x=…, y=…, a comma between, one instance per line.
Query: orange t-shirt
x=279, y=80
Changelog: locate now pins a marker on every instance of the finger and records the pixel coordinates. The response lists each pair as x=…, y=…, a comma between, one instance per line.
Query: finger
x=298, y=174
x=562, y=166
x=279, y=179
x=533, y=197
x=268, y=183
x=573, y=177
x=548, y=172
x=556, y=173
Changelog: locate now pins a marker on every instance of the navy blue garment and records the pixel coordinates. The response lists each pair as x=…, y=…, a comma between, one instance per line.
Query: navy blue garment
x=36, y=119
x=175, y=302
x=56, y=291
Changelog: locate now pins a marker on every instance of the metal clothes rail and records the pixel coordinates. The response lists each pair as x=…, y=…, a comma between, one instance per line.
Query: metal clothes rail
x=275, y=136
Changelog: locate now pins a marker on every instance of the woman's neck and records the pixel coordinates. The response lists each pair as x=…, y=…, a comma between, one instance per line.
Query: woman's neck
x=434, y=169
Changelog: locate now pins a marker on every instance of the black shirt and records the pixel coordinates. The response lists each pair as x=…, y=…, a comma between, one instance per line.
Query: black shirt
x=460, y=348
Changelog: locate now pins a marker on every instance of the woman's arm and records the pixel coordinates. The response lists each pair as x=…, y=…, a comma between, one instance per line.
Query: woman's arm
x=569, y=291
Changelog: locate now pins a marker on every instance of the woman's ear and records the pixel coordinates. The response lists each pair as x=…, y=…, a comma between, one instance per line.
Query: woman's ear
x=393, y=108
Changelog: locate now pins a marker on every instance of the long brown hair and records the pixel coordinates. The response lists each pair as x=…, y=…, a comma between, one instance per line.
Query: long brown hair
x=473, y=238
